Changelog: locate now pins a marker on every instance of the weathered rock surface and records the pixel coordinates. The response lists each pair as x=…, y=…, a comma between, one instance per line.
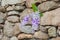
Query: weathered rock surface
x=13, y=19
x=9, y=8
x=16, y=29
x=58, y=30
x=11, y=29
x=55, y=0
x=22, y=36
x=8, y=29
x=44, y=29
x=14, y=38
x=51, y=17
x=26, y=29
x=10, y=2
x=40, y=35
x=29, y=2
x=2, y=9
x=5, y=38
x=19, y=7
x=57, y=38
x=1, y=25
x=2, y=17
x=52, y=32
x=13, y=7
x=18, y=20
x=47, y=6
x=13, y=12
x=1, y=34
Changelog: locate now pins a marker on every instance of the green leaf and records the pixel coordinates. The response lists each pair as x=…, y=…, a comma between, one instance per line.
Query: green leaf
x=41, y=14
x=34, y=7
x=35, y=0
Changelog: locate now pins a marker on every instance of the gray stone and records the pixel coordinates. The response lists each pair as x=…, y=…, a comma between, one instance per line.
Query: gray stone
x=16, y=29
x=8, y=29
x=13, y=19
x=5, y=38
x=41, y=35
x=11, y=29
x=1, y=25
x=47, y=6
x=6, y=2
x=13, y=7
x=2, y=9
x=19, y=7
x=52, y=32
x=2, y=16
x=1, y=34
x=14, y=38
x=58, y=30
x=26, y=29
x=13, y=12
x=44, y=29
x=55, y=0
x=9, y=8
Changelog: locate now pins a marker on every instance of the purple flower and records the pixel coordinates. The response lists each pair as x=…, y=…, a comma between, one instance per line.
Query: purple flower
x=25, y=20
x=35, y=21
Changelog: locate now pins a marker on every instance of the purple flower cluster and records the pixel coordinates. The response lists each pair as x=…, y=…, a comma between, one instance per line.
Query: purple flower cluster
x=35, y=20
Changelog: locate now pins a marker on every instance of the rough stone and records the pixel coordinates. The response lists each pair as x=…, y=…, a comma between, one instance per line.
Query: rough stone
x=9, y=8
x=58, y=30
x=14, y=38
x=8, y=29
x=6, y=2
x=19, y=7
x=40, y=35
x=13, y=19
x=44, y=29
x=46, y=19
x=52, y=32
x=16, y=29
x=2, y=17
x=5, y=38
x=57, y=38
x=13, y=12
x=26, y=29
x=51, y=17
x=13, y=7
x=55, y=0
x=22, y=36
x=1, y=34
x=2, y=9
x=1, y=25
x=11, y=29
x=29, y=2
x=47, y=6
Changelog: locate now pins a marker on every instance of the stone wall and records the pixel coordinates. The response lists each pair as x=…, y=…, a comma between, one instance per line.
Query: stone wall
x=12, y=13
